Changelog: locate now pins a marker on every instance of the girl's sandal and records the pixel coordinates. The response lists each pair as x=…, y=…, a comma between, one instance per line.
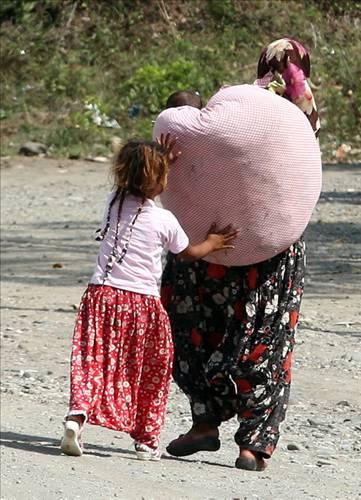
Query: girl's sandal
x=71, y=443
x=144, y=452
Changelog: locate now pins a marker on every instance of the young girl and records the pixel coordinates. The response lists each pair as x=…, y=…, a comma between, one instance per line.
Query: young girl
x=122, y=347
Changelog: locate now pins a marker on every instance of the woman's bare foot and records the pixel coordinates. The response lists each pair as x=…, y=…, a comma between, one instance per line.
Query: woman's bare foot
x=203, y=430
x=250, y=460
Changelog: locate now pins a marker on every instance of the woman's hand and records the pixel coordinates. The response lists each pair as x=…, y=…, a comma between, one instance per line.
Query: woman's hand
x=168, y=143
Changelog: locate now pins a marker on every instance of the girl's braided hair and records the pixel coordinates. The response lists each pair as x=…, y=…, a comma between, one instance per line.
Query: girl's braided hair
x=140, y=168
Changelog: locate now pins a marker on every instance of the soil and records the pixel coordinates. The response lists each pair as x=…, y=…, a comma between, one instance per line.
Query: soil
x=50, y=209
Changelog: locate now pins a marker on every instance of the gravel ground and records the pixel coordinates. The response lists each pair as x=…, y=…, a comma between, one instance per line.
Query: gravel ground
x=50, y=209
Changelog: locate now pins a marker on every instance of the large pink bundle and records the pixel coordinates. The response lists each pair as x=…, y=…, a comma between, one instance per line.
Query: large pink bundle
x=249, y=158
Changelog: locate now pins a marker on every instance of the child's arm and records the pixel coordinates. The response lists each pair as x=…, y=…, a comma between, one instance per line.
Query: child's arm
x=216, y=240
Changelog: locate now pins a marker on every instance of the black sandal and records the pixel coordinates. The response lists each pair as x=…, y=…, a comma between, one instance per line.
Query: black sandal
x=186, y=445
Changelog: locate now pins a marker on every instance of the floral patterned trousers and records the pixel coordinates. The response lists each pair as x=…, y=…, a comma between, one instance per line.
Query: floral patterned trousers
x=121, y=363
x=233, y=329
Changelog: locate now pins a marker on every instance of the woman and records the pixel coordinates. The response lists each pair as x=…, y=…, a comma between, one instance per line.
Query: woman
x=234, y=327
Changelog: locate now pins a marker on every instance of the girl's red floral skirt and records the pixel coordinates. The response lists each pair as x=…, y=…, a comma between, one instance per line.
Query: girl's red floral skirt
x=122, y=362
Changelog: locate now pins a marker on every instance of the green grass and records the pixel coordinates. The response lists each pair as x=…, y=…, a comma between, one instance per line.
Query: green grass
x=128, y=56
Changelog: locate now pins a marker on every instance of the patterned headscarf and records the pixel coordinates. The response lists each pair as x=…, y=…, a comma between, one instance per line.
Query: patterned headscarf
x=283, y=68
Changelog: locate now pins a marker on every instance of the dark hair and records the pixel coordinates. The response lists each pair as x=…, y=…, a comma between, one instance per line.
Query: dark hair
x=184, y=98
x=140, y=168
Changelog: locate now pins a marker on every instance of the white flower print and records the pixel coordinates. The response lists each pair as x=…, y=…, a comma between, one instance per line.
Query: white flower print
x=208, y=313
x=271, y=307
x=184, y=366
x=182, y=308
x=285, y=318
x=199, y=408
x=217, y=356
x=250, y=309
x=218, y=298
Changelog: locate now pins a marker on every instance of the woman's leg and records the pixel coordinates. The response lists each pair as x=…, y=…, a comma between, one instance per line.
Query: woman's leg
x=183, y=297
x=263, y=372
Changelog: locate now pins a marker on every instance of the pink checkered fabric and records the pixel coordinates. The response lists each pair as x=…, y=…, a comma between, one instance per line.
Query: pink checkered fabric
x=249, y=158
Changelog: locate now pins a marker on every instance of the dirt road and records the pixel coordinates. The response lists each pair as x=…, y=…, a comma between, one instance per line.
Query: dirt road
x=50, y=209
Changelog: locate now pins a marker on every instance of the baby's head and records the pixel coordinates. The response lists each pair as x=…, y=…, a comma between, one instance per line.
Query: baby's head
x=141, y=168
x=184, y=98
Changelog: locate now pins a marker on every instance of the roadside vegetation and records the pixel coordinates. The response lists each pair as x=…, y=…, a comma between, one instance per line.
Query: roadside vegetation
x=74, y=74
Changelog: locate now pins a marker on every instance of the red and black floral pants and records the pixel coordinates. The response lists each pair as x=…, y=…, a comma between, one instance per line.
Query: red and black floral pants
x=233, y=329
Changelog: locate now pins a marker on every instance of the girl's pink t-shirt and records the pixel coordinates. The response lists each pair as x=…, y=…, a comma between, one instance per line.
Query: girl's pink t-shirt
x=155, y=229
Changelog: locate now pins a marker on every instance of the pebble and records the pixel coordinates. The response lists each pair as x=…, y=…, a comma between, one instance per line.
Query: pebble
x=321, y=463
x=356, y=356
x=313, y=423
x=293, y=447
x=343, y=403
x=355, y=420
x=97, y=159
x=31, y=148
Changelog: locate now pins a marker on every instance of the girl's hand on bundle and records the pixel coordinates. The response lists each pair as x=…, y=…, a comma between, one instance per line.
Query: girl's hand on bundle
x=168, y=143
x=220, y=239
x=217, y=239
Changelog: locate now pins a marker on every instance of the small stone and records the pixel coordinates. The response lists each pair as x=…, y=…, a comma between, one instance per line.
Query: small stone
x=312, y=423
x=356, y=356
x=57, y=265
x=74, y=156
x=293, y=447
x=356, y=420
x=321, y=463
x=343, y=403
x=97, y=159
x=32, y=149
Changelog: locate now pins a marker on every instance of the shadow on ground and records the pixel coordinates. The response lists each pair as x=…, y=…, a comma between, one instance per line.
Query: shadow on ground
x=48, y=446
